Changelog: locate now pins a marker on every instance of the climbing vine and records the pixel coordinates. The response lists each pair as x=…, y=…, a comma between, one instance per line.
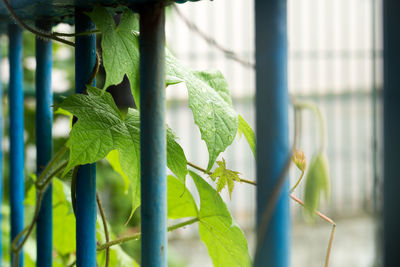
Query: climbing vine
x=103, y=131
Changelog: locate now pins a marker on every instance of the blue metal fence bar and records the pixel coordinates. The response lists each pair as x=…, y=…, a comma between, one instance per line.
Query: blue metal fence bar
x=391, y=128
x=85, y=60
x=153, y=136
x=272, y=129
x=16, y=98
x=1, y=160
x=44, y=144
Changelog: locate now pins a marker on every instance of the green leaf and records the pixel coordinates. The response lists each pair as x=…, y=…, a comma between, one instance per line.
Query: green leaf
x=101, y=128
x=180, y=201
x=120, y=49
x=225, y=177
x=113, y=159
x=226, y=243
x=120, y=46
x=64, y=234
x=317, y=182
x=176, y=159
x=211, y=106
x=245, y=129
x=216, y=80
x=63, y=217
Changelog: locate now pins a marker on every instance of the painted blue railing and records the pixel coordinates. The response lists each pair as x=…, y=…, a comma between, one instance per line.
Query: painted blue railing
x=16, y=99
x=44, y=144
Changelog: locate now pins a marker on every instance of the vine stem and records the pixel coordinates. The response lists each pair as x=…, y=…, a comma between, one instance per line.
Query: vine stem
x=209, y=173
x=137, y=235
x=41, y=186
x=321, y=123
x=325, y=218
x=103, y=218
x=35, y=31
x=43, y=174
x=297, y=183
x=95, y=69
x=198, y=168
x=15, y=246
x=74, y=34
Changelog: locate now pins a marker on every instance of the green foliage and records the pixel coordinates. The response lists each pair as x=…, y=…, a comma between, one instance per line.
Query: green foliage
x=101, y=128
x=225, y=177
x=209, y=97
x=225, y=241
x=120, y=47
x=317, y=182
x=245, y=129
x=103, y=131
x=180, y=201
x=210, y=103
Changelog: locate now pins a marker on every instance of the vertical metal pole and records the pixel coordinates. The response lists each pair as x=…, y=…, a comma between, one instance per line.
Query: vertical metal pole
x=85, y=60
x=272, y=129
x=16, y=96
x=153, y=136
x=1, y=159
x=44, y=144
x=391, y=128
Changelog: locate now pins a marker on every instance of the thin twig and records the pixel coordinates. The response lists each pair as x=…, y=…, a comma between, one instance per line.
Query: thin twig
x=137, y=235
x=325, y=218
x=32, y=30
x=95, y=68
x=199, y=168
x=248, y=181
x=209, y=173
x=103, y=218
x=228, y=53
x=74, y=34
x=298, y=182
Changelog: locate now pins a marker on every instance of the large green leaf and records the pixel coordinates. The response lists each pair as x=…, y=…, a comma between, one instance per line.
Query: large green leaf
x=180, y=201
x=247, y=131
x=317, y=182
x=226, y=243
x=211, y=105
x=101, y=128
x=120, y=46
